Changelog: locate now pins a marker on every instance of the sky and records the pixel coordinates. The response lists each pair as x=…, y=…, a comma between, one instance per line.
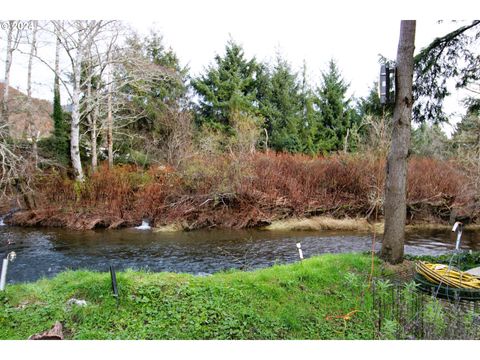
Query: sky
x=352, y=33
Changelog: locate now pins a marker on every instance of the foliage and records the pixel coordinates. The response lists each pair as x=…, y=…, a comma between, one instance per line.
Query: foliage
x=401, y=311
x=152, y=102
x=60, y=139
x=430, y=141
x=467, y=134
x=281, y=106
x=375, y=128
x=452, y=56
x=337, y=117
x=214, y=189
x=227, y=87
x=310, y=117
x=370, y=105
x=466, y=146
x=57, y=145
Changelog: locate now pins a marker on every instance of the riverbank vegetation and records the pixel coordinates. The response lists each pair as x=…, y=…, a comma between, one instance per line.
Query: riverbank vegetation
x=245, y=143
x=250, y=191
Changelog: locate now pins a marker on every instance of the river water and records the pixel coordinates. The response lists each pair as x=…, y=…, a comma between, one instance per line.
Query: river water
x=46, y=252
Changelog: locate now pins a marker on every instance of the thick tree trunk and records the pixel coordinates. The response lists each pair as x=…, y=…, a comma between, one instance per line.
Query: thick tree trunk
x=75, y=125
x=396, y=172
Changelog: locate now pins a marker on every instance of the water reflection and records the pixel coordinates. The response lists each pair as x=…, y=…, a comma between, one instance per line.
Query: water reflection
x=45, y=252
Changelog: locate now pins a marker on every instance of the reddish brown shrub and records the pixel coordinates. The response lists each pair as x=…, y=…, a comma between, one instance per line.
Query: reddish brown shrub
x=238, y=192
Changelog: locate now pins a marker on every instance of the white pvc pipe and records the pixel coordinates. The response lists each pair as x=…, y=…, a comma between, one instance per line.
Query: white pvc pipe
x=459, y=237
x=3, y=276
x=455, y=226
x=458, y=228
x=300, y=252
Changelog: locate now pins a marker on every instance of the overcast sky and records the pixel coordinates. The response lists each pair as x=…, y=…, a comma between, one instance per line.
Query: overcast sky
x=352, y=33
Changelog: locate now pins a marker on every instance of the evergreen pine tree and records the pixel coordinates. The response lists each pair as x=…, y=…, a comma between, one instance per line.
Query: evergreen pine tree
x=337, y=116
x=371, y=105
x=227, y=88
x=285, y=109
x=310, y=118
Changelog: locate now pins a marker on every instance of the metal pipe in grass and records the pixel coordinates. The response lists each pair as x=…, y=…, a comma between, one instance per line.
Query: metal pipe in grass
x=113, y=276
x=3, y=276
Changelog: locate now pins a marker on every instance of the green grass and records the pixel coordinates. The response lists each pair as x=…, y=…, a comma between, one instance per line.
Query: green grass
x=281, y=302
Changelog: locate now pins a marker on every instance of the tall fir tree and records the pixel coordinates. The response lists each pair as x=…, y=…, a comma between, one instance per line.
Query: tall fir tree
x=282, y=108
x=370, y=105
x=228, y=87
x=337, y=115
x=310, y=118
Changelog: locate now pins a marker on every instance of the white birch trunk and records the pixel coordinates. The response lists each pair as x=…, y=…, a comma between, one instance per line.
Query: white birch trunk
x=32, y=129
x=109, y=122
x=8, y=65
x=56, y=83
x=75, y=124
x=92, y=123
x=94, y=139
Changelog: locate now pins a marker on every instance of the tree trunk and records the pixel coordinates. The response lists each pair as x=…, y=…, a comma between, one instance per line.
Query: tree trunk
x=32, y=129
x=396, y=172
x=8, y=64
x=110, y=126
x=75, y=125
x=56, y=82
x=345, y=142
x=93, y=134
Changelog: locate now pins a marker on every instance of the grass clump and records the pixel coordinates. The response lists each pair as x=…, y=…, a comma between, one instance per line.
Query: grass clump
x=320, y=223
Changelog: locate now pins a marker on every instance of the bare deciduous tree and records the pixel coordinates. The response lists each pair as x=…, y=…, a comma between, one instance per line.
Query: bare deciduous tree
x=31, y=128
x=77, y=39
x=14, y=35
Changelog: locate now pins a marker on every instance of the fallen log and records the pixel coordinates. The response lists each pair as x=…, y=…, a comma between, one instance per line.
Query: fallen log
x=55, y=333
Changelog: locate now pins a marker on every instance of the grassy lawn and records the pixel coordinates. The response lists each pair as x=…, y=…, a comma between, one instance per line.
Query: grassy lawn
x=297, y=301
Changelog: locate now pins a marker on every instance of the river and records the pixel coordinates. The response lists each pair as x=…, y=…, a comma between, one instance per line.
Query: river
x=47, y=251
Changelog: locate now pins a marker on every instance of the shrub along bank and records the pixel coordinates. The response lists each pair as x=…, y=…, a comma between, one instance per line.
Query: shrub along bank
x=245, y=191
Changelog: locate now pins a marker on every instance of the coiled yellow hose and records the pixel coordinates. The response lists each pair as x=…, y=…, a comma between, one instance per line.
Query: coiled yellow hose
x=440, y=273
